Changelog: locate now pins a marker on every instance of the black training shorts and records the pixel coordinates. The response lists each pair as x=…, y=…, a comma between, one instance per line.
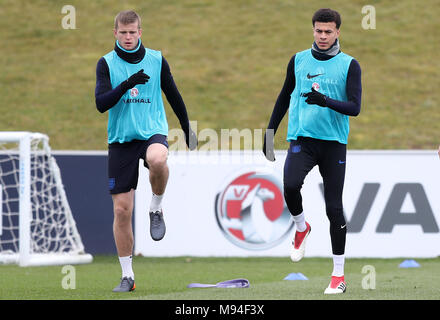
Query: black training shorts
x=123, y=162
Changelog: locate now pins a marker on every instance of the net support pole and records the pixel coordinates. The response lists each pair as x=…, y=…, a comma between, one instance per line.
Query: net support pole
x=25, y=200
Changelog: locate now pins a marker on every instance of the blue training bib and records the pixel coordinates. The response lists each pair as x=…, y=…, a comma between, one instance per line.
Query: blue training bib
x=140, y=113
x=329, y=77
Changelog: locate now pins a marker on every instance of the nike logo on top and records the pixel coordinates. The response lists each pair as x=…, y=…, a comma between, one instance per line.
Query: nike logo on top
x=310, y=76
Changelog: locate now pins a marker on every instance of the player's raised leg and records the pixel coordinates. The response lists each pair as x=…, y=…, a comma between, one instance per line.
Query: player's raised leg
x=299, y=161
x=156, y=158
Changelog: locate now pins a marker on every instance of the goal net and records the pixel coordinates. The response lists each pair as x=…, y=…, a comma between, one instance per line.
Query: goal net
x=36, y=223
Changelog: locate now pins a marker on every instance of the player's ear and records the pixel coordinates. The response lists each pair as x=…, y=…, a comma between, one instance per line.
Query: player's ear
x=115, y=32
x=140, y=32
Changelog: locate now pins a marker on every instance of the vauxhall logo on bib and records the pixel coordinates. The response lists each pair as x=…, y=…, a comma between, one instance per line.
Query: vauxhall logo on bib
x=134, y=93
x=251, y=212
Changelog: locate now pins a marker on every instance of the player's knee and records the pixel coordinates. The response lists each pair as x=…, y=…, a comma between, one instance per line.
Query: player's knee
x=156, y=156
x=335, y=214
x=122, y=212
x=157, y=163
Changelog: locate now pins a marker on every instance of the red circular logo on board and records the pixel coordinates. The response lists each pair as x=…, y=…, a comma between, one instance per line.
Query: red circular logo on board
x=251, y=211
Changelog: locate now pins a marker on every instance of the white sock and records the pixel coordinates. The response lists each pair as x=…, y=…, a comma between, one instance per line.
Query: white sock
x=126, y=265
x=155, y=204
x=300, y=222
x=338, y=265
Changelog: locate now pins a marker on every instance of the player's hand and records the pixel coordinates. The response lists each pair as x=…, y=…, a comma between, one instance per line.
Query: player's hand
x=138, y=78
x=268, y=148
x=315, y=97
x=190, y=138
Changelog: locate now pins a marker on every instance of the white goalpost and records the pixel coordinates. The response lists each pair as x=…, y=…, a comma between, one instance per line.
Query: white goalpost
x=36, y=223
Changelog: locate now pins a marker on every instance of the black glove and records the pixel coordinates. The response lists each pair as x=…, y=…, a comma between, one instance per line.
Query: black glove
x=190, y=138
x=268, y=149
x=314, y=97
x=138, y=78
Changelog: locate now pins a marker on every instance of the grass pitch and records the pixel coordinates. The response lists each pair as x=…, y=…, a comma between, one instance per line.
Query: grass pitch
x=167, y=278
